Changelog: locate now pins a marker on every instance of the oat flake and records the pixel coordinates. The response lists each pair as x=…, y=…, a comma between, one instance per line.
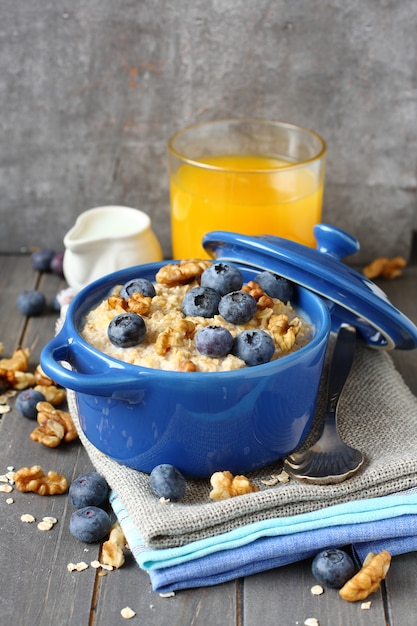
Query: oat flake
x=127, y=613
x=27, y=517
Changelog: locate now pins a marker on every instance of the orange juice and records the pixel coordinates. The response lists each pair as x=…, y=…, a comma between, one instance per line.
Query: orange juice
x=249, y=194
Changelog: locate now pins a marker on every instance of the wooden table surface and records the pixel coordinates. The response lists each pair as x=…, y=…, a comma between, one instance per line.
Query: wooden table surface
x=38, y=590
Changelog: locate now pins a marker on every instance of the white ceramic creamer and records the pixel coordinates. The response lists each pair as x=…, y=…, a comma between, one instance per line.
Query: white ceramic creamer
x=106, y=239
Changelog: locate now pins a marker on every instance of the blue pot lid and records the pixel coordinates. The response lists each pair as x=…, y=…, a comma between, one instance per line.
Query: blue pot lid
x=351, y=297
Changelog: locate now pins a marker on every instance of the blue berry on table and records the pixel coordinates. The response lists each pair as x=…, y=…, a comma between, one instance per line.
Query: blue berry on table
x=237, y=307
x=222, y=277
x=41, y=260
x=254, y=347
x=31, y=302
x=167, y=482
x=126, y=330
x=214, y=341
x=26, y=403
x=89, y=489
x=275, y=286
x=57, y=264
x=90, y=524
x=333, y=568
x=201, y=302
x=140, y=285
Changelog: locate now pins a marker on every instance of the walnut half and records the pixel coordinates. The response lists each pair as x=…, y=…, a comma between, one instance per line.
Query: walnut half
x=225, y=485
x=368, y=579
x=33, y=479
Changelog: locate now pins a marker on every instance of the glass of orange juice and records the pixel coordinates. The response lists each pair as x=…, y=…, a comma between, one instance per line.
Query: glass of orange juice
x=249, y=176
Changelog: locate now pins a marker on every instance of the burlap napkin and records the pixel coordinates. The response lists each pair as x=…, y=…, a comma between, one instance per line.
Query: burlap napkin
x=377, y=414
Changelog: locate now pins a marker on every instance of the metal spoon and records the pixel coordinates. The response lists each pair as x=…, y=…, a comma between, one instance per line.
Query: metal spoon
x=330, y=460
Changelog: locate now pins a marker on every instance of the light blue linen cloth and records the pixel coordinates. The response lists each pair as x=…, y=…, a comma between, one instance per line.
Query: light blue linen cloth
x=388, y=522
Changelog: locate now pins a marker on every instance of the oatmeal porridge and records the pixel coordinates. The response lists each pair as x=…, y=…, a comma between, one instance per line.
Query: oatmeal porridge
x=170, y=329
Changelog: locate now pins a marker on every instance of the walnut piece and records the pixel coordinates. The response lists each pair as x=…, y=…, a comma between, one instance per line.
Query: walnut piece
x=263, y=301
x=368, y=579
x=186, y=365
x=138, y=303
x=41, y=378
x=17, y=380
x=225, y=485
x=47, y=412
x=18, y=362
x=113, y=548
x=181, y=273
x=283, y=331
x=174, y=336
x=385, y=268
x=54, y=395
x=34, y=479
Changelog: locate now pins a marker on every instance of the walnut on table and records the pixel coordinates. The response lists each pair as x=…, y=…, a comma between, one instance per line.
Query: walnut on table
x=113, y=548
x=54, y=395
x=33, y=479
x=13, y=370
x=368, y=579
x=385, y=268
x=54, y=426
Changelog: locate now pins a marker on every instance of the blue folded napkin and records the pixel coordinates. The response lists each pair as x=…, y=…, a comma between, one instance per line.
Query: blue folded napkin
x=375, y=524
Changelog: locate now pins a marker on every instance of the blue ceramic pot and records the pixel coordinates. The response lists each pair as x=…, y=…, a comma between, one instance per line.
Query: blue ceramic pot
x=199, y=422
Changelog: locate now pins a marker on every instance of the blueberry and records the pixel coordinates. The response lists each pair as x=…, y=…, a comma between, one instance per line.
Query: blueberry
x=31, y=302
x=201, y=302
x=214, y=341
x=141, y=285
x=89, y=524
x=237, y=307
x=332, y=568
x=41, y=260
x=254, y=347
x=222, y=277
x=167, y=482
x=88, y=490
x=275, y=286
x=126, y=330
x=26, y=403
x=57, y=263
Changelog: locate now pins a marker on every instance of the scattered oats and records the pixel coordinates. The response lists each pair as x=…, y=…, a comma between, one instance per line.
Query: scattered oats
x=3, y=399
x=168, y=594
x=102, y=573
x=317, y=590
x=27, y=517
x=10, y=468
x=45, y=525
x=109, y=568
x=270, y=482
x=4, y=408
x=366, y=605
x=283, y=477
x=151, y=606
x=311, y=621
x=9, y=501
x=3, y=478
x=11, y=393
x=164, y=500
x=10, y=475
x=79, y=567
x=50, y=520
x=6, y=488
x=127, y=613
x=95, y=564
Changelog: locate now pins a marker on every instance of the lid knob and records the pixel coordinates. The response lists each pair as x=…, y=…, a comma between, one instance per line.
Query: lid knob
x=334, y=241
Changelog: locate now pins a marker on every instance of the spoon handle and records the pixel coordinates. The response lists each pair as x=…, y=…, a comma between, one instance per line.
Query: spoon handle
x=341, y=363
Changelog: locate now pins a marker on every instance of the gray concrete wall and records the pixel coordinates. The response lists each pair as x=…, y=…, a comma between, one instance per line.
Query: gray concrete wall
x=90, y=91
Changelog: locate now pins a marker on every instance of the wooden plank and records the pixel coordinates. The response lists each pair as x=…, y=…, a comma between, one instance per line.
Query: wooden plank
x=131, y=587
x=283, y=596
x=37, y=589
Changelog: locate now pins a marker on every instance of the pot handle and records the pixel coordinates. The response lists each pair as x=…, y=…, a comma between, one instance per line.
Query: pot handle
x=60, y=351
